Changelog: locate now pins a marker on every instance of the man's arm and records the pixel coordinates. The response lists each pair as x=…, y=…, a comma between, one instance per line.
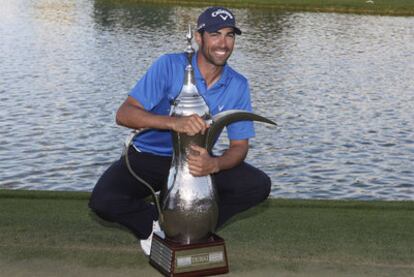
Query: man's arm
x=132, y=114
x=203, y=164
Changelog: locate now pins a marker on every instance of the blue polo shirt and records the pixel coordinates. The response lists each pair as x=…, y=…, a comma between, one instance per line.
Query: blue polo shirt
x=162, y=83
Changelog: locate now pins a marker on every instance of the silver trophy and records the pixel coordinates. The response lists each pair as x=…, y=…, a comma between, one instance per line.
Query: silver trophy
x=189, y=209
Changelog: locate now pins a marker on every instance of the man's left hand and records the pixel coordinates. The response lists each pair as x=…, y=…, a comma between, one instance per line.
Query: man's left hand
x=200, y=162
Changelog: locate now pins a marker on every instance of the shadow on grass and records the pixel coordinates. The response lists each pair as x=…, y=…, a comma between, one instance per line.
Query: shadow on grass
x=248, y=214
x=108, y=224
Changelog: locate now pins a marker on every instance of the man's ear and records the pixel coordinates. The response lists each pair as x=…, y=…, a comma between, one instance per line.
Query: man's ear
x=198, y=38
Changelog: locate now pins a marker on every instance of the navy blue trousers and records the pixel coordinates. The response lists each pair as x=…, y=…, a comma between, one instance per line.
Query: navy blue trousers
x=119, y=197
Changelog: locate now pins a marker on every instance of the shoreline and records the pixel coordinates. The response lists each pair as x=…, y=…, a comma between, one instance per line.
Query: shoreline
x=369, y=7
x=42, y=232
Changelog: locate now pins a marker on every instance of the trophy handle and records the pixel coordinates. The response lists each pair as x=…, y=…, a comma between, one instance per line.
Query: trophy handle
x=223, y=119
x=128, y=143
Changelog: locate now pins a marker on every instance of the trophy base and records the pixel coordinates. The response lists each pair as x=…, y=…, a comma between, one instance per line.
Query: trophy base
x=198, y=259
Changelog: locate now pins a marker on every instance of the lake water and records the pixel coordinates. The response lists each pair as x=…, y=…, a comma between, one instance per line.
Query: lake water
x=340, y=86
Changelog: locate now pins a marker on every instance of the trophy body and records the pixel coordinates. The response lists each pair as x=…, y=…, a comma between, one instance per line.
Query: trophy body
x=188, y=203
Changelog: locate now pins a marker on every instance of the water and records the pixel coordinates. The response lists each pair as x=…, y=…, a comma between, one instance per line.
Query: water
x=340, y=87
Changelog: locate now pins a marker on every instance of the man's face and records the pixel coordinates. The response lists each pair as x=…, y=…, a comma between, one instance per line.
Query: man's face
x=216, y=47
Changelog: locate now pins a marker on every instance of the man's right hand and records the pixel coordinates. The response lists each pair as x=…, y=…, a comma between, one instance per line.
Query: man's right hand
x=191, y=125
x=132, y=114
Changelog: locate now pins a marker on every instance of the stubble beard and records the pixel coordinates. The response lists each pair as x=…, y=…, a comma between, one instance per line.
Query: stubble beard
x=210, y=57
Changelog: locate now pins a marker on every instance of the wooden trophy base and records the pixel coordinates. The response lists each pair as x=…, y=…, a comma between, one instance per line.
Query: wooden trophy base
x=198, y=259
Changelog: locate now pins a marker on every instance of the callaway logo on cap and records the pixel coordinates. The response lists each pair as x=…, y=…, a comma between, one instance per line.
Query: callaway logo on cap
x=224, y=14
x=216, y=18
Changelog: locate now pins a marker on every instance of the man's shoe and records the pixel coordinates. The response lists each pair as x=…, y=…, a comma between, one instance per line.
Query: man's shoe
x=146, y=243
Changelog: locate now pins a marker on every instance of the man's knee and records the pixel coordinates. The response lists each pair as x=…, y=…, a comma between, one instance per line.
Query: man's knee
x=100, y=206
x=262, y=184
x=101, y=200
x=266, y=186
x=256, y=188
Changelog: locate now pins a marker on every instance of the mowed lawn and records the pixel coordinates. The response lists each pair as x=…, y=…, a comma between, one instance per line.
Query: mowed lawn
x=55, y=234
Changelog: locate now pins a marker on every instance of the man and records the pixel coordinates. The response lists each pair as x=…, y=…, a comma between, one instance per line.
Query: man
x=118, y=197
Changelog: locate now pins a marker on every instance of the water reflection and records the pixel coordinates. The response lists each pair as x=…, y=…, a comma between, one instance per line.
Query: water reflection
x=114, y=15
x=339, y=86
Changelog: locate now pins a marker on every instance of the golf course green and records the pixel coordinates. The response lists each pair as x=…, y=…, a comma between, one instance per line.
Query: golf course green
x=45, y=233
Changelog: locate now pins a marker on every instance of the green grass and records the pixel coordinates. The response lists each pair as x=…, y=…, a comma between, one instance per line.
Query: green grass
x=384, y=7
x=50, y=233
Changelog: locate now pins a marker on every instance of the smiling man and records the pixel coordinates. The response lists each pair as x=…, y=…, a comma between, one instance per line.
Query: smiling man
x=119, y=197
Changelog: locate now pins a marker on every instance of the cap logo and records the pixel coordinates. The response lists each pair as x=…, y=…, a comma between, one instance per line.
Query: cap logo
x=201, y=26
x=222, y=13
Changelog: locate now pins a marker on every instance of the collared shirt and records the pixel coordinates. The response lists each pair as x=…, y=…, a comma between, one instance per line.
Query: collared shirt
x=162, y=83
